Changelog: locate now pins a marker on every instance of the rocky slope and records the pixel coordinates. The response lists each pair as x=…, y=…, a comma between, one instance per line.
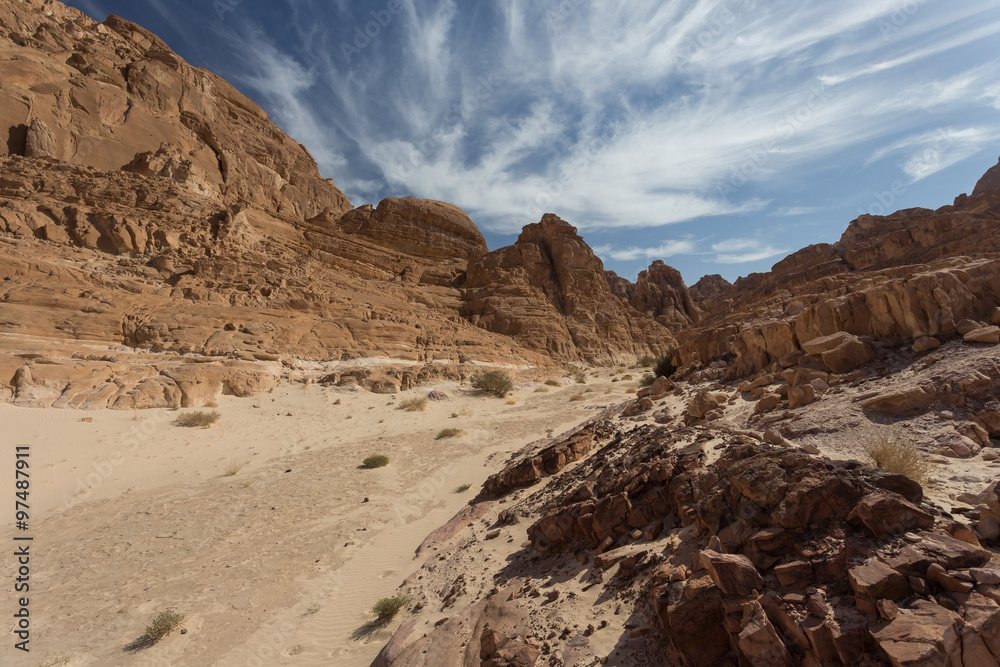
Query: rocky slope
x=687, y=527
x=147, y=206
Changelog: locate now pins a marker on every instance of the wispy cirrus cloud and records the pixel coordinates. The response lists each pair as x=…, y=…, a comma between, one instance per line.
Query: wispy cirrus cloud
x=741, y=251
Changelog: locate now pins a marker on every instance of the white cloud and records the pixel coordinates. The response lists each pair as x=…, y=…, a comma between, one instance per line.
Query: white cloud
x=284, y=82
x=739, y=251
x=662, y=251
x=927, y=153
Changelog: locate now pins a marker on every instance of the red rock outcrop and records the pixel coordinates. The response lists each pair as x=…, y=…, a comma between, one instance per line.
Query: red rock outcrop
x=767, y=555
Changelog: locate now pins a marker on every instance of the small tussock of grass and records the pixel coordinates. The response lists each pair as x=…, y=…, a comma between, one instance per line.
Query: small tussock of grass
x=376, y=461
x=233, y=467
x=412, y=404
x=580, y=377
x=449, y=433
x=892, y=448
x=211, y=404
x=511, y=401
x=626, y=378
x=496, y=383
x=553, y=383
x=647, y=380
x=386, y=608
x=162, y=625
x=463, y=488
x=542, y=390
x=198, y=419
x=577, y=397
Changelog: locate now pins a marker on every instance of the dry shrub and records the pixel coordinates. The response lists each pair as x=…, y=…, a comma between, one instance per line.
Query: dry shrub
x=895, y=450
x=413, y=404
x=386, y=608
x=450, y=433
x=577, y=397
x=553, y=383
x=233, y=467
x=198, y=419
x=497, y=383
x=162, y=625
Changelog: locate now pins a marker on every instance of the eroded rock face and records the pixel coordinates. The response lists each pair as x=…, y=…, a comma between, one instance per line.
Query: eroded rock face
x=419, y=227
x=549, y=292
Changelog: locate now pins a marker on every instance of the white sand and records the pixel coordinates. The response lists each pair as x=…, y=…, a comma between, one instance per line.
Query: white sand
x=132, y=514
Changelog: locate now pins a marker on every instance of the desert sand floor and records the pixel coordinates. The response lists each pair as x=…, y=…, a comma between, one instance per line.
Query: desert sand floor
x=264, y=531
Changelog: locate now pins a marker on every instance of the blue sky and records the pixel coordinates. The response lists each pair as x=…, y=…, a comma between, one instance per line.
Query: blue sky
x=716, y=135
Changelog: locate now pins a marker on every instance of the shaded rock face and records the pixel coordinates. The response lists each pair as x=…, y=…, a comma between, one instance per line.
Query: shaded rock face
x=549, y=292
x=418, y=227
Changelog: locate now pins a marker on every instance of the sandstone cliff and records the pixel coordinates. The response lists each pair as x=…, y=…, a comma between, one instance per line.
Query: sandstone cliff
x=147, y=205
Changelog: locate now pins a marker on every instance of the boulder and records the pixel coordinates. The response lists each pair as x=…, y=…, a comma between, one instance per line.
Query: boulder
x=889, y=514
x=901, y=402
x=925, y=344
x=989, y=335
x=734, y=574
x=927, y=635
x=873, y=581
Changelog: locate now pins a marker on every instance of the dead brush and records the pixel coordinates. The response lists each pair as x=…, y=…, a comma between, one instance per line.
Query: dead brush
x=894, y=449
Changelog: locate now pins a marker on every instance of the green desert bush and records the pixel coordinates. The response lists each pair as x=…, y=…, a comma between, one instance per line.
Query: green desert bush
x=646, y=361
x=665, y=365
x=386, y=608
x=497, y=383
x=647, y=380
x=198, y=419
x=376, y=461
x=463, y=488
x=415, y=404
x=895, y=450
x=580, y=377
x=450, y=433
